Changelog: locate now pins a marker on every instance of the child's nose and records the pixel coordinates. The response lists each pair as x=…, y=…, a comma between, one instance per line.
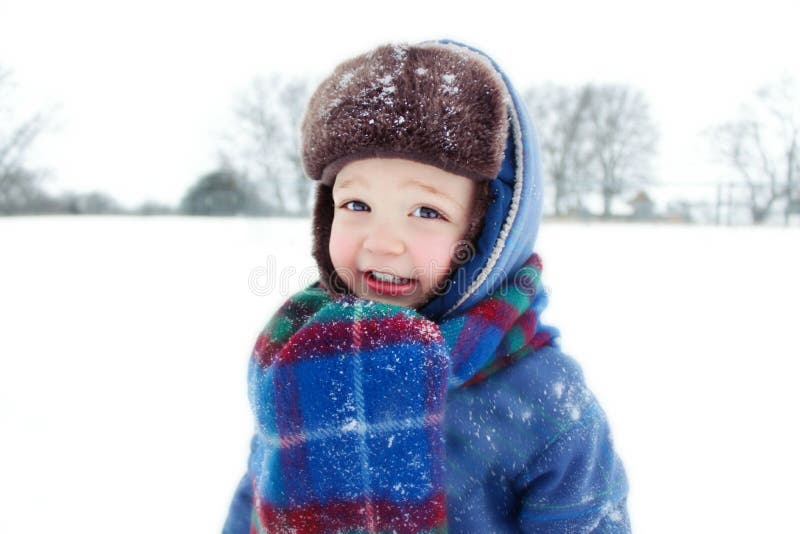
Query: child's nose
x=384, y=240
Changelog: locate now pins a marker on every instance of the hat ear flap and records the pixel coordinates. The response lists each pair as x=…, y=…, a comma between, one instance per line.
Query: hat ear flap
x=322, y=222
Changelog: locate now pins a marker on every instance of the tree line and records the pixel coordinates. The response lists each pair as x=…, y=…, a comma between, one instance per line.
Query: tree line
x=598, y=143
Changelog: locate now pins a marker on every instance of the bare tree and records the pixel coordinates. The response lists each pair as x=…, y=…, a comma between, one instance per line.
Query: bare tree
x=623, y=138
x=761, y=145
x=268, y=139
x=19, y=188
x=561, y=118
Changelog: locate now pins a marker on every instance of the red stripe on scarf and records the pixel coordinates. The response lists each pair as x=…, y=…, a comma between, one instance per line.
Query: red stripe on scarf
x=541, y=339
x=496, y=312
x=342, y=515
x=336, y=337
x=296, y=313
x=266, y=349
x=527, y=322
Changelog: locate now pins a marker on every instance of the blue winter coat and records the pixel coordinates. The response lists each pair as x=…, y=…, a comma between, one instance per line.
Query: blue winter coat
x=528, y=449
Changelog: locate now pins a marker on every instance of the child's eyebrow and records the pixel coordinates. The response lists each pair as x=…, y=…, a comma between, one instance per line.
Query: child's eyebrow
x=348, y=182
x=433, y=190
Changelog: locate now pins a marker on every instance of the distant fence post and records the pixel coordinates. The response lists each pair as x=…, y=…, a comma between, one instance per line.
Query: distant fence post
x=730, y=204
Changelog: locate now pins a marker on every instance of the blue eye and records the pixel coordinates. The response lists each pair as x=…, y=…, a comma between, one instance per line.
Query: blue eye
x=357, y=206
x=427, y=213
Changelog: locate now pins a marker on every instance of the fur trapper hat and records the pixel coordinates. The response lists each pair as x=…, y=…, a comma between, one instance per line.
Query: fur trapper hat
x=440, y=104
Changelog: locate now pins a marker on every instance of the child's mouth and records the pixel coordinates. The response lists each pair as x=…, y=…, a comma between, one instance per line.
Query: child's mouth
x=386, y=284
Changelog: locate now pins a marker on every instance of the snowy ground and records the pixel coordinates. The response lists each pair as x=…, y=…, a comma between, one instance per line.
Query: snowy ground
x=124, y=344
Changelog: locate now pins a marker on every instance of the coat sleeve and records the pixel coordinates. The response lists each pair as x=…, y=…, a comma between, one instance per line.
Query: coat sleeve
x=238, y=521
x=577, y=482
x=241, y=507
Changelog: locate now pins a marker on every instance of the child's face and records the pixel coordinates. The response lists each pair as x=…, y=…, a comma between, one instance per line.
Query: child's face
x=400, y=218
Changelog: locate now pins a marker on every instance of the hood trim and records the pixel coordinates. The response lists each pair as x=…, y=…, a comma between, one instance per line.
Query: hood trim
x=505, y=231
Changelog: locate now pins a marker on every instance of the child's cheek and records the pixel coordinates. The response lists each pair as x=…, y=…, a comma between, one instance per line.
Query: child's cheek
x=434, y=253
x=343, y=248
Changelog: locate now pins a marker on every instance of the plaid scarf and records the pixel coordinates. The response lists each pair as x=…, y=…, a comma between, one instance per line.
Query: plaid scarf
x=349, y=398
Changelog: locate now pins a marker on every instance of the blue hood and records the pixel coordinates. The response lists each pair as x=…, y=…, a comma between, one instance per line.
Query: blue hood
x=512, y=219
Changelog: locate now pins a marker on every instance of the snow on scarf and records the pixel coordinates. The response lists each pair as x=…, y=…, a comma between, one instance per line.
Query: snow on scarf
x=349, y=397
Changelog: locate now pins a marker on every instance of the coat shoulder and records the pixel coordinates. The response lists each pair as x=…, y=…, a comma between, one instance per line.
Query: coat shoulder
x=508, y=436
x=543, y=393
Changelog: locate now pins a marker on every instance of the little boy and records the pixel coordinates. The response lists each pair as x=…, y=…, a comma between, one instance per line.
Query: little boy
x=414, y=388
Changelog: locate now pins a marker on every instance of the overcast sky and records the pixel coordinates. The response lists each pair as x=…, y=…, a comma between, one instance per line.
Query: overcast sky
x=143, y=91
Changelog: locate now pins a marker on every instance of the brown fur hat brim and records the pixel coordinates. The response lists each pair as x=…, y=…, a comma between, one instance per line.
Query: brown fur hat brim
x=435, y=103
